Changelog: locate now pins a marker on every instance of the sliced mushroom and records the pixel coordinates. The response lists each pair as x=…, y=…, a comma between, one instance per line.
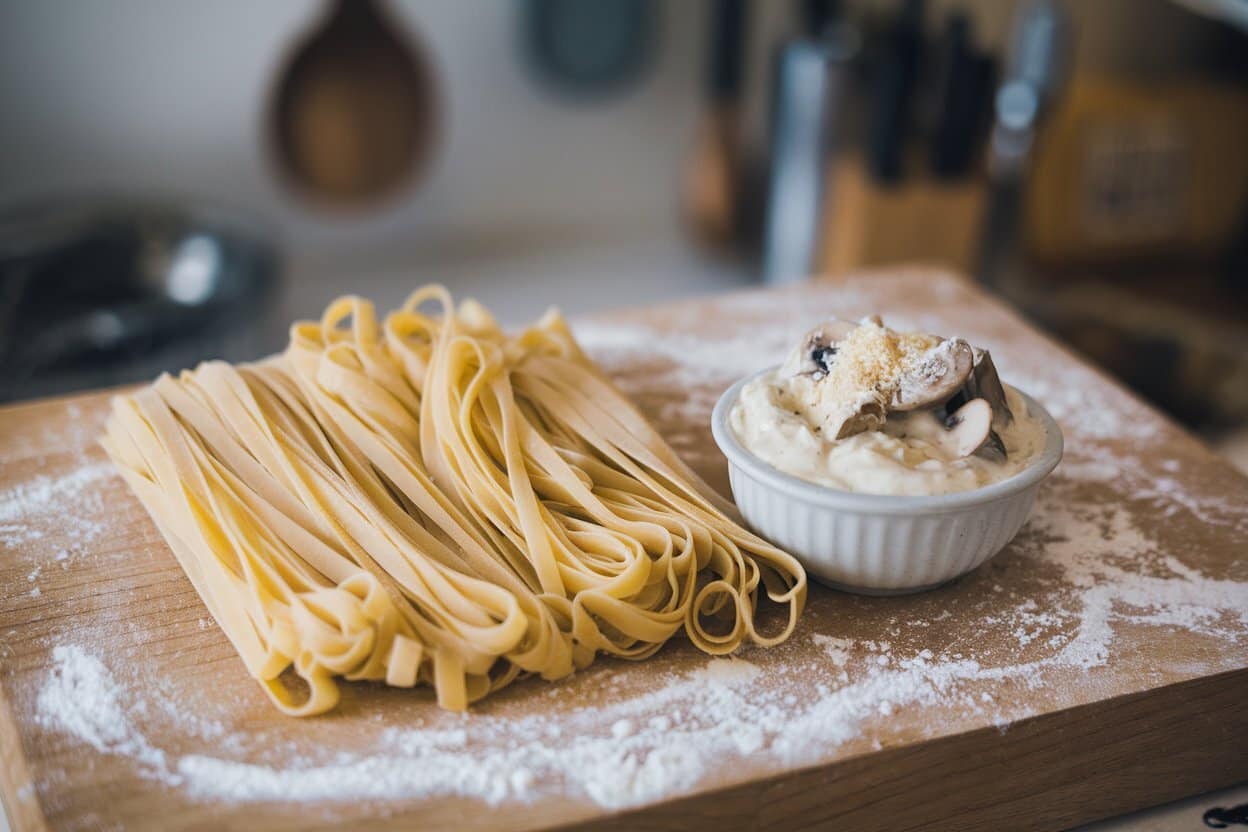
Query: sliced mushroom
x=984, y=383
x=988, y=386
x=940, y=374
x=816, y=352
x=869, y=415
x=994, y=447
x=969, y=427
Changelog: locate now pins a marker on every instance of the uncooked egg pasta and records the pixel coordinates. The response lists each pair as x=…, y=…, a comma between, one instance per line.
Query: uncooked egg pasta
x=432, y=500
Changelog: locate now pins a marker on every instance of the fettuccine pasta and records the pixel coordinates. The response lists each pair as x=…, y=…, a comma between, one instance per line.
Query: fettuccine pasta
x=431, y=500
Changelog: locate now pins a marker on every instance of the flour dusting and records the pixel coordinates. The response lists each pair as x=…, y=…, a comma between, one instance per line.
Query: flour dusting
x=46, y=493
x=1069, y=613
x=766, y=711
x=70, y=498
x=80, y=697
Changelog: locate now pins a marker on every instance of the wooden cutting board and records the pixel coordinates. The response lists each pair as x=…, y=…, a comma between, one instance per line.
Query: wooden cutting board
x=1098, y=665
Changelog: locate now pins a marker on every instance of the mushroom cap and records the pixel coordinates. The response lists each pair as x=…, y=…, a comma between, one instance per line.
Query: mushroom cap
x=984, y=383
x=940, y=373
x=815, y=350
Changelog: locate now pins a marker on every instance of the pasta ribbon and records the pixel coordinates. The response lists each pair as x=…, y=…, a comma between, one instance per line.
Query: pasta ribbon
x=429, y=499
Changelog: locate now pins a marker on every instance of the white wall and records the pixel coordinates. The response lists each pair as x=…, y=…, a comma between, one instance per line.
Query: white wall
x=170, y=96
x=148, y=95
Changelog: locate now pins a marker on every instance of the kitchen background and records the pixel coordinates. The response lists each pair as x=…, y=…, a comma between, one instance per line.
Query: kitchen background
x=617, y=152
x=180, y=180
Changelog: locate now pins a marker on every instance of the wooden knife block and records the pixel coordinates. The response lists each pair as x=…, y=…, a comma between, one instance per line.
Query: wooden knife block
x=918, y=219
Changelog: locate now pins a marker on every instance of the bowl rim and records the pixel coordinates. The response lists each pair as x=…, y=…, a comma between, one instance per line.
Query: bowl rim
x=824, y=495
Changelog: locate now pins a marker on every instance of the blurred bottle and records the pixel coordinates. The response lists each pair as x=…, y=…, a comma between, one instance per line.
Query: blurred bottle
x=807, y=116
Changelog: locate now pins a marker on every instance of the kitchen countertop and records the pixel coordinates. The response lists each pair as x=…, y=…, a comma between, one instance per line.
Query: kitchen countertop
x=1119, y=606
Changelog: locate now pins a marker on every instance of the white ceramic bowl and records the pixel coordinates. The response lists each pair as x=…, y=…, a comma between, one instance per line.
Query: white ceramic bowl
x=878, y=544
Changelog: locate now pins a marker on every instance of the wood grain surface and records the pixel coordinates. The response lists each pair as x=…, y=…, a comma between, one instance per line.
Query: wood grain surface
x=1098, y=665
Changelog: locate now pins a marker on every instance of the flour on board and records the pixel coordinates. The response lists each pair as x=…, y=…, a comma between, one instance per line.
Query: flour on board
x=81, y=697
x=70, y=500
x=665, y=741
x=1094, y=571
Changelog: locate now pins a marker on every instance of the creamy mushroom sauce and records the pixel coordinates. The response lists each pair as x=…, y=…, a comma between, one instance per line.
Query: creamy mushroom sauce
x=899, y=458
x=784, y=417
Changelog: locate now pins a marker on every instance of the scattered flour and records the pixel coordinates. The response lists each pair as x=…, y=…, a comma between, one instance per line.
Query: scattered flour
x=1080, y=572
x=622, y=728
x=685, y=373
x=495, y=759
x=81, y=697
x=838, y=649
x=43, y=494
x=669, y=739
x=24, y=505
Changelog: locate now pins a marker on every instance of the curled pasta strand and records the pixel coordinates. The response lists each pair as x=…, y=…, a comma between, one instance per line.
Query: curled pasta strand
x=429, y=500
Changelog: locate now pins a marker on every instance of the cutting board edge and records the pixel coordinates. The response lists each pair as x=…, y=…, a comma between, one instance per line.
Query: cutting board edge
x=15, y=777
x=749, y=806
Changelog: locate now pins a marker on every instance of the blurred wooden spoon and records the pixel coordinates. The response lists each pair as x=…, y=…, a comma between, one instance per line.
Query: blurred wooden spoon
x=353, y=115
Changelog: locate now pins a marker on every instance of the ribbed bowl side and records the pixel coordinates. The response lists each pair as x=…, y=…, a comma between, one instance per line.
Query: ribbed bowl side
x=880, y=552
